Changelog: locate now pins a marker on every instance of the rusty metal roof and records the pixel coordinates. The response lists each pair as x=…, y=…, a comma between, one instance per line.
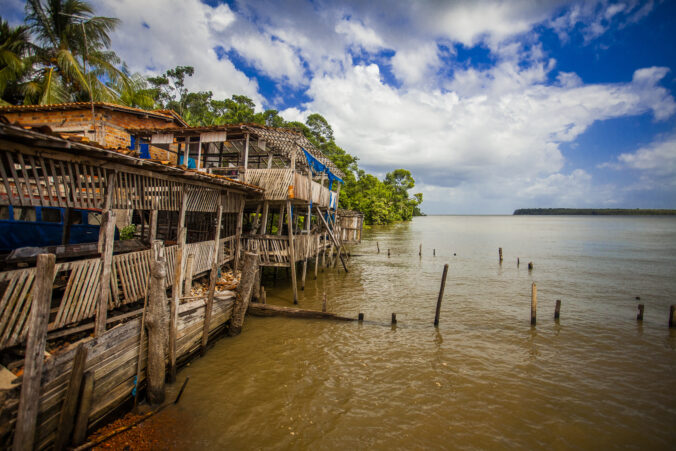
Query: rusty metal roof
x=159, y=114
x=43, y=137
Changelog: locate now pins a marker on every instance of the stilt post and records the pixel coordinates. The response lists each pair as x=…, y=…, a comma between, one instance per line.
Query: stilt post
x=533, y=304
x=441, y=295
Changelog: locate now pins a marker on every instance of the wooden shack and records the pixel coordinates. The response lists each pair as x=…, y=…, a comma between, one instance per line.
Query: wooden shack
x=349, y=225
x=105, y=294
x=99, y=122
x=295, y=219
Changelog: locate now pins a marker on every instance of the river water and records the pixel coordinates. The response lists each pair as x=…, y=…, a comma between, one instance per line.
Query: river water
x=485, y=379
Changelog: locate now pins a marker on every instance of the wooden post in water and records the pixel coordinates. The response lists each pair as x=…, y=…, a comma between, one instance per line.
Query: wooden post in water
x=533, y=304
x=672, y=316
x=156, y=324
x=517, y=262
x=263, y=297
x=557, y=309
x=307, y=229
x=394, y=318
x=316, y=255
x=214, y=274
x=85, y=405
x=420, y=250
x=388, y=253
x=500, y=254
x=530, y=266
x=434, y=252
x=245, y=290
x=324, y=302
x=292, y=253
x=360, y=317
x=639, y=315
x=69, y=406
x=378, y=247
x=441, y=295
x=187, y=283
x=29, y=399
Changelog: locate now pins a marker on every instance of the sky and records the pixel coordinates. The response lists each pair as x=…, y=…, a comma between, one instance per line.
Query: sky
x=492, y=105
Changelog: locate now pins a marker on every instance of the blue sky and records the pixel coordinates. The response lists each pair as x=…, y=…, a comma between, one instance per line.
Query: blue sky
x=493, y=105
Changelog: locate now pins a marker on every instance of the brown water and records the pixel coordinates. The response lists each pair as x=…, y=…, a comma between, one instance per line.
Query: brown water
x=485, y=379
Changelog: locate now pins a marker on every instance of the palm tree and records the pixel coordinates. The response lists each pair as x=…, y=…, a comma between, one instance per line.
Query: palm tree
x=134, y=91
x=15, y=46
x=70, y=38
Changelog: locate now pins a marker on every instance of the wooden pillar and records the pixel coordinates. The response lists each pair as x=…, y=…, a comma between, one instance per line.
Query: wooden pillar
x=316, y=254
x=187, y=282
x=199, y=153
x=29, y=400
x=280, y=220
x=213, y=275
x=270, y=161
x=186, y=151
x=152, y=232
x=179, y=264
x=292, y=253
x=105, y=245
x=307, y=240
x=246, y=156
x=238, y=233
x=264, y=219
x=156, y=323
x=69, y=406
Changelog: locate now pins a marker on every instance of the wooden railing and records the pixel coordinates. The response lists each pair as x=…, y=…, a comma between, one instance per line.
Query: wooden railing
x=273, y=250
x=276, y=183
x=80, y=282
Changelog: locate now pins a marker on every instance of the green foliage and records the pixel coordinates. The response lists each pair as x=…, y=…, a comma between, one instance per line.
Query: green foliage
x=127, y=233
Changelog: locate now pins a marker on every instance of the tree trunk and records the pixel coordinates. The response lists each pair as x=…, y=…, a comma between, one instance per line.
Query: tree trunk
x=244, y=291
x=156, y=322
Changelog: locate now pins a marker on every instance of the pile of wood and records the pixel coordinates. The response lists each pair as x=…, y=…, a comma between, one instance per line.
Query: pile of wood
x=227, y=282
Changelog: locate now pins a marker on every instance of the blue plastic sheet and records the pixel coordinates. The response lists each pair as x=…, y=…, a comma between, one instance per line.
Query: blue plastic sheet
x=318, y=167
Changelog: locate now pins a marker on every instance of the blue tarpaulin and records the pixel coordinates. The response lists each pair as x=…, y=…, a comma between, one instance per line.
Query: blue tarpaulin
x=318, y=167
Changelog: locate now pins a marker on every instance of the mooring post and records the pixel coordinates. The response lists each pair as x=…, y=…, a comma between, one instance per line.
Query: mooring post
x=530, y=266
x=441, y=295
x=388, y=252
x=29, y=399
x=639, y=315
x=378, y=246
x=533, y=304
x=394, y=318
x=360, y=317
x=500, y=254
x=434, y=252
x=324, y=302
x=672, y=316
x=517, y=262
x=420, y=250
x=557, y=309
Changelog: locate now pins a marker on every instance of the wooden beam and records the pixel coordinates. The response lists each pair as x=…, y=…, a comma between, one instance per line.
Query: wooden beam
x=292, y=253
x=29, y=400
x=280, y=220
x=332, y=238
x=246, y=155
x=85, y=405
x=106, y=244
x=264, y=219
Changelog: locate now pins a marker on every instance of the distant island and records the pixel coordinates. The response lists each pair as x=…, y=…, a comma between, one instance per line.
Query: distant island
x=593, y=211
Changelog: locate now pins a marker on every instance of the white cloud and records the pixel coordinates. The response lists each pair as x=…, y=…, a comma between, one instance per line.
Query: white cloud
x=358, y=34
x=179, y=33
x=271, y=57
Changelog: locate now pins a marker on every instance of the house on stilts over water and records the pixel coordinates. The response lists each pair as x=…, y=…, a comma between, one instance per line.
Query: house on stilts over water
x=78, y=176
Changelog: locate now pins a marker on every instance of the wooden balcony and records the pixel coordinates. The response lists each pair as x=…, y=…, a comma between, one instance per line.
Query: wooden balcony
x=276, y=183
x=273, y=250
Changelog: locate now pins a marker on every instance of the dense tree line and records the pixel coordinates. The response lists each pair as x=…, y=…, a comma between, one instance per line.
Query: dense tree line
x=593, y=211
x=62, y=54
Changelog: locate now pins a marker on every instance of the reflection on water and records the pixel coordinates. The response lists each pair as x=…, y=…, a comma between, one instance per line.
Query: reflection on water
x=485, y=378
